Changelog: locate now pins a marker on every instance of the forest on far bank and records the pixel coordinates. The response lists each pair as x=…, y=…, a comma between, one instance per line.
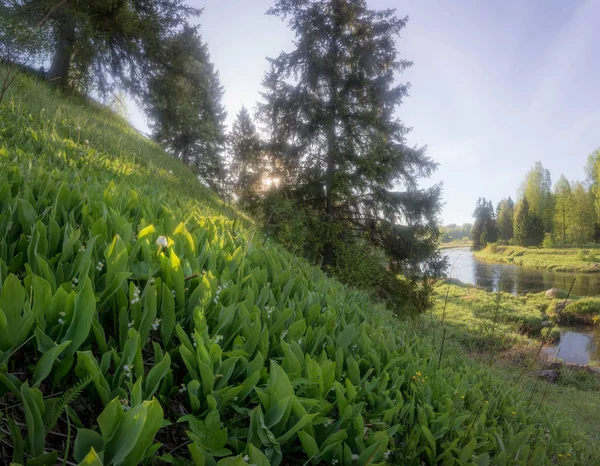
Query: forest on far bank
x=563, y=214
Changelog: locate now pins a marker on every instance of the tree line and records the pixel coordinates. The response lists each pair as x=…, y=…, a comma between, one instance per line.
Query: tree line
x=561, y=215
x=323, y=163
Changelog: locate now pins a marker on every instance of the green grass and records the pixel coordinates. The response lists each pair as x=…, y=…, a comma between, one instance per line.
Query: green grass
x=559, y=260
x=456, y=244
x=493, y=329
x=144, y=322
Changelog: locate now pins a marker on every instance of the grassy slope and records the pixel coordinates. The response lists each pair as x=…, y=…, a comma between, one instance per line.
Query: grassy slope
x=560, y=260
x=272, y=359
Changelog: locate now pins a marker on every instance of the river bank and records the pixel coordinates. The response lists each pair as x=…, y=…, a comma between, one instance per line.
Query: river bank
x=557, y=260
x=507, y=334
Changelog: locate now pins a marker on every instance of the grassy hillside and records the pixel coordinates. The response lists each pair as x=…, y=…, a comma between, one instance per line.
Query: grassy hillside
x=141, y=322
x=559, y=260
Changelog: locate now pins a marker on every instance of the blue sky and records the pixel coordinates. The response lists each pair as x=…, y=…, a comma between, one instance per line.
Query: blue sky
x=495, y=86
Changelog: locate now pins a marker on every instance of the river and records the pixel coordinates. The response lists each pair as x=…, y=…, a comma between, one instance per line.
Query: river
x=579, y=345
x=515, y=279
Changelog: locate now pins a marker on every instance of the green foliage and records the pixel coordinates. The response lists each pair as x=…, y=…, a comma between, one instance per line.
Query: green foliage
x=537, y=188
x=334, y=144
x=484, y=229
x=505, y=218
x=187, y=116
x=455, y=232
x=191, y=327
x=547, y=243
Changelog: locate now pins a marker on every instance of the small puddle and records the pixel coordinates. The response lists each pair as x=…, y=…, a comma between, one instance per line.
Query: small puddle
x=579, y=345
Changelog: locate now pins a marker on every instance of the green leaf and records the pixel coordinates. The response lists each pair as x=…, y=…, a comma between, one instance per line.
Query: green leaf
x=86, y=441
x=81, y=324
x=309, y=444
x=91, y=459
x=153, y=421
x=33, y=404
x=155, y=376
x=45, y=363
x=257, y=457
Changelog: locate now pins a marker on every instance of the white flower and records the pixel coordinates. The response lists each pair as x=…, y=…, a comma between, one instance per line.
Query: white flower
x=173, y=293
x=354, y=457
x=218, y=338
x=387, y=454
x=246, y=458
x=75, y=280
x=60, y=321
x=354, y=347
x=62, y=313
x=162, y=241
x=130, y=324
x=183, y=388
x=82, y=248
x=324, y=309
x=284, y=334
x=330, y=421
x=366, y=431
x=124, y=404
x=334, y=461
x=299, y=341
x=151, y=280
x=86, y=142
x=170, y=172
x=9, y=226
x=78, y=128
x=155, y=324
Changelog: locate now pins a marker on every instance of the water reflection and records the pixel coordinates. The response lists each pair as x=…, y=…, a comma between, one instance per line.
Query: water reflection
x=515, y=279
x=577, y=344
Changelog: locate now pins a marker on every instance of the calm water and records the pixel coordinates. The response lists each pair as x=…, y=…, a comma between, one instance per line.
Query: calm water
x=580, y=345
x=515, y=279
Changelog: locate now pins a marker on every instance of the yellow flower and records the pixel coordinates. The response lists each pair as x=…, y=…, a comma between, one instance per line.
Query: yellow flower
x=418, y=373
x=513, y=413
x=462, y=396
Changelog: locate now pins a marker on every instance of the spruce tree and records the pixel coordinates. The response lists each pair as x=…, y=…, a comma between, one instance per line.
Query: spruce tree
x=102, y=42
x=484, y=229
x=246, y=167
x=505, y=216
x=330, y=110
x=187, y=116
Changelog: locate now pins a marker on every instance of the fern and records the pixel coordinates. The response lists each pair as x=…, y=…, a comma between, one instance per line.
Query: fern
x=67, y=397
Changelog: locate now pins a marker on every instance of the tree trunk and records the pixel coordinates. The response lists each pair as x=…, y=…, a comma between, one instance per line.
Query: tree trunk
x=61, y=63
x=328, y=247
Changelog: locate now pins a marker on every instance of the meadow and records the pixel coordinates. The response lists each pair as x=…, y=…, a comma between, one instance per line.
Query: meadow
x=581, y=260
x=144, y=321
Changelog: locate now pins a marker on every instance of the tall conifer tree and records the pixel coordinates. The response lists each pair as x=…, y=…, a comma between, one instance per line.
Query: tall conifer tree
x=330, y=108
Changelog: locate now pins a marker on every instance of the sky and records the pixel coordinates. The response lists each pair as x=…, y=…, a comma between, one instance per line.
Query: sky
x=495, y=85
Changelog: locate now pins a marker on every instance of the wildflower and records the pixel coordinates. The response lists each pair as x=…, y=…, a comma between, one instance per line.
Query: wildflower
x=218, y=338
x=218, y=376
x=387, y=454
x=354, y=457
x=329, y=422
x=235, y=398
x=9, y=226
x=324, y=309
x=125, y=404
x=299, y=341
x=127, y=370
x=332, y=389
x=334, y=461
x=130, y=324
x=366, y=432
x=82, y=248
x=62, y=313
x=155, y=324
x=246, y=458
x=354, y=347
x=462, y=396
x=61, y=321
x=513, y=413
x=170, y=172
x=284, y=334
x=78, y=128
x=86, y=142
x=419, y=374
x=151, y=280
x=173, y=293
x=194, y=340
x=99, y=266
x=162, y=241
x=183, y=388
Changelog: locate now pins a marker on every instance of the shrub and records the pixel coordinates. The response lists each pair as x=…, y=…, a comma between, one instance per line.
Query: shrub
x=581, y=255
x=550, y=334
x=548, y=241
x=493, y=248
